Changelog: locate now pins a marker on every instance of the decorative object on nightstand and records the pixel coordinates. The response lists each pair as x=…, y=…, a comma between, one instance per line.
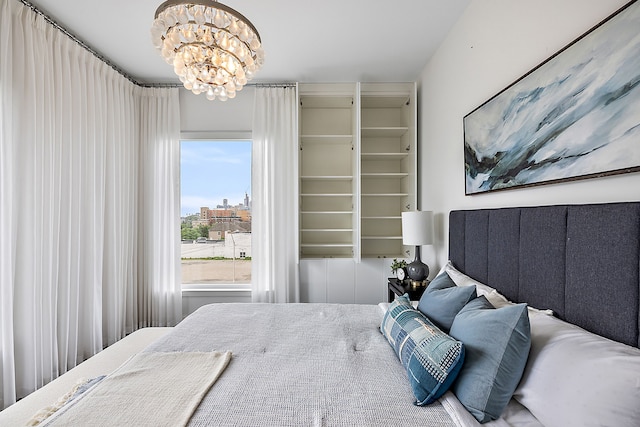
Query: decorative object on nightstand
x=399, y=268
x=417, y=285
x=417, y=229
x=406, y=286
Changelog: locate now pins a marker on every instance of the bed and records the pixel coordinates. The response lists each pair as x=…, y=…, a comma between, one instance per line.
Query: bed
x=576, y=266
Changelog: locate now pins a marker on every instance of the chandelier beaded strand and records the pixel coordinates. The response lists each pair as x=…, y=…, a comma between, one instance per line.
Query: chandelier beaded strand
x=213, y=49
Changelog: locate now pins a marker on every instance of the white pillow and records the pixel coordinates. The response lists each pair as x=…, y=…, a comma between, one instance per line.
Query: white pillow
x=495, y=298
x=576, y=378
x=462, y=279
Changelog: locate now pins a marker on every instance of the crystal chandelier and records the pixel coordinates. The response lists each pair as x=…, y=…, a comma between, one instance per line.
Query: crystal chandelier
x=213, y=48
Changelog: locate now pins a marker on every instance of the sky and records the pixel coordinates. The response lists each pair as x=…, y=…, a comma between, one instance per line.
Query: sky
x=211, y=171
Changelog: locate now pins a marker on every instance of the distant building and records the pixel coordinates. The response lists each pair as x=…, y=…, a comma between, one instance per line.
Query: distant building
x=238, y=244
x=215, y=235
x=219, y=221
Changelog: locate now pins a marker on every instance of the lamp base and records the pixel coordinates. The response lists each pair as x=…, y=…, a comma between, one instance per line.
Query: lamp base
x=417, y=270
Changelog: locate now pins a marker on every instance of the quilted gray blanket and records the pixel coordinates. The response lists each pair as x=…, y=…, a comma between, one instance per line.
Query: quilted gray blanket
x=301, y=365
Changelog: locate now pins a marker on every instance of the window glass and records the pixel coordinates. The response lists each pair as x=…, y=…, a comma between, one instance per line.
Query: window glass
x=215, y=184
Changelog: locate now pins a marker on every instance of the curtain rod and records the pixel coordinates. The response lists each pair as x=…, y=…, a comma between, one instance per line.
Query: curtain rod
x=73, y=37
x=272, y=84
x=179, y=85
x=120, y=71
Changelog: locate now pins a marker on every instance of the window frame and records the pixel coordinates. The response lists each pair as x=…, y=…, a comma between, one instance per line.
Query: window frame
x=203, y=289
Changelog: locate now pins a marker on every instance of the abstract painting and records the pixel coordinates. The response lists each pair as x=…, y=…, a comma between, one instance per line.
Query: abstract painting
x=576, y=115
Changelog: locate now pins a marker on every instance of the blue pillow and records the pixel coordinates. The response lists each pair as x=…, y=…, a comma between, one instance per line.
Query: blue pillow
x=442, y=300
x=497, y=343
x=431, y=357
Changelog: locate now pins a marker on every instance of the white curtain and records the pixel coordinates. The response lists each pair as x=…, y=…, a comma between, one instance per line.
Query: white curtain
x=274, y=183
x=159, y=203
x=85, y=155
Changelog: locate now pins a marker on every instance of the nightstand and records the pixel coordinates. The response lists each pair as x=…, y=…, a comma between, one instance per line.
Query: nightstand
x=401, y=287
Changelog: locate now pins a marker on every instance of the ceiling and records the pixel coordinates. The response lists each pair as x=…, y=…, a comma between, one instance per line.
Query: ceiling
x=304, y=41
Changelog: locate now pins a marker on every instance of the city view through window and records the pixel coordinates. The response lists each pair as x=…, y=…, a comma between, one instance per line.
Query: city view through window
x=215, y=185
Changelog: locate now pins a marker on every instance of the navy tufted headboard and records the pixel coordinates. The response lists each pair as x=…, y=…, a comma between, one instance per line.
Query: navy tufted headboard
x=581, y=261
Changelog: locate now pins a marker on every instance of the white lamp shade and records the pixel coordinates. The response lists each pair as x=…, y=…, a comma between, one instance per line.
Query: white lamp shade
x=417, y=228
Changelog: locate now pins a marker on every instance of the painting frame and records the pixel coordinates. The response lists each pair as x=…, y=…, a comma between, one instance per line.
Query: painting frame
x=574, y=116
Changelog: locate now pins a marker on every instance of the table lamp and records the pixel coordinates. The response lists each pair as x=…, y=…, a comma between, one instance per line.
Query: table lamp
x=417, y=229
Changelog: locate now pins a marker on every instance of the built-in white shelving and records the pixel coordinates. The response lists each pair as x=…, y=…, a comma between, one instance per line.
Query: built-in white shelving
x=327, y=165
x=357, y=168
x=387, y=166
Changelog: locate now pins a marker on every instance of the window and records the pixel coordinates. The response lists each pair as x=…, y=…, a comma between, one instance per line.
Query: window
x=215, y=184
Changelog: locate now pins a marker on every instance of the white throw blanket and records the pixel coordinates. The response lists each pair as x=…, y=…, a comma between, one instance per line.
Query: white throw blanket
x=150, y=389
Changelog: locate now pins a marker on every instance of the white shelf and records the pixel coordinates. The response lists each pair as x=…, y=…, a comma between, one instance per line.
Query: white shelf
x=388, y=131
x=384, y=156
x=385, y=195
x=325, y=230
x=326, y=212
x=384, y=101
x=326, y=245
x=327, y=178
x=326, y=101
x=385, y=175
x=326, y=195
x=381, y=237
x=326, y=139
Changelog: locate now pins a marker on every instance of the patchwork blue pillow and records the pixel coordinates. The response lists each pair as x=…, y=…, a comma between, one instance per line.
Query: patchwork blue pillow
x=431, y=357
x=442, y=300
x=497, y=343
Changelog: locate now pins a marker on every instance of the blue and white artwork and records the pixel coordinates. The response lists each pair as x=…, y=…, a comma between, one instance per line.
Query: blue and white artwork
x=577, y=115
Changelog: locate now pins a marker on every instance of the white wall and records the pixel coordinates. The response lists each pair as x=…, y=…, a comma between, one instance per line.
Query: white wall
x=199, y=115
x=494, y=43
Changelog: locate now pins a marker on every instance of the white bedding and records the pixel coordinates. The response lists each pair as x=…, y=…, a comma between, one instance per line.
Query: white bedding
x=102, y=363
x=135, y=394
x=300, y=364
x=305, y=364
x=310, y=364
